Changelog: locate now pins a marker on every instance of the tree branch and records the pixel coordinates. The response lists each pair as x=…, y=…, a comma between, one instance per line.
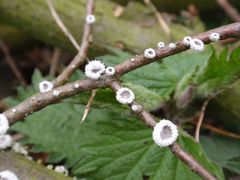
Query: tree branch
x=191, y=162
x=41, y=100
x=231, y=30
x=148, y=119
x=82, y=51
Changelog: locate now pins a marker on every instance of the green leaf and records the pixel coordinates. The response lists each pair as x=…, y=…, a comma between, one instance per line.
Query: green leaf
x=224, y=151
x=219, y=72
x=107, y=145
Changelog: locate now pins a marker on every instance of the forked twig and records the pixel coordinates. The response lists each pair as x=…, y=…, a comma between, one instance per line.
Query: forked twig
x=82, y=51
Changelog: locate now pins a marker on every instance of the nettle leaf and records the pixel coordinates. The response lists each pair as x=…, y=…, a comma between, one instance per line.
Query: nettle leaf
x=113, y=144
x=218, y=72
x=108, y=145
x=224, y=151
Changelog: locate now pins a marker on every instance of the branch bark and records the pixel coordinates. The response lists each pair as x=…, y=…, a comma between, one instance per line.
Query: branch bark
x=231, y=30
x=191, y=162
x=41, y=100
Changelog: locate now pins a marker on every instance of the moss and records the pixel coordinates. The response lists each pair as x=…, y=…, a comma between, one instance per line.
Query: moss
x=26, y=169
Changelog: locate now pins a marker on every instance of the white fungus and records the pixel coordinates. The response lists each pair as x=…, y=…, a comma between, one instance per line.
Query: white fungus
x=165, y=133
x=110, y=71
x=18, y=148
x=76, y=85
x=14, y=110
x=187, y=40
x=61, y=169
x=90, y=19
x=172, y=45
x=137, y=108
x=56, y=93
x=94, y=69
x=8, y=175
x=197, y=45
x=132, y=59
x=45, y=86
x=149, y=53
x=160, y=45
x=4, y=125
x=125, y=96
x=214, y=37
x=5, y=141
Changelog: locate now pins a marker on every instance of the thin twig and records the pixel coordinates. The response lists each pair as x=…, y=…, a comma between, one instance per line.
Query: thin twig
x=54, y=61
x=148, y=119
x=79, y=58
x=229, y=9
x=43, y=99
x=200, y=119
x=12, y=64
x=221, y=131
x=88, y=106
x=160, y=18
x=202, y=113
x=61, y=24
x=218, y=130
x=82, y=53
